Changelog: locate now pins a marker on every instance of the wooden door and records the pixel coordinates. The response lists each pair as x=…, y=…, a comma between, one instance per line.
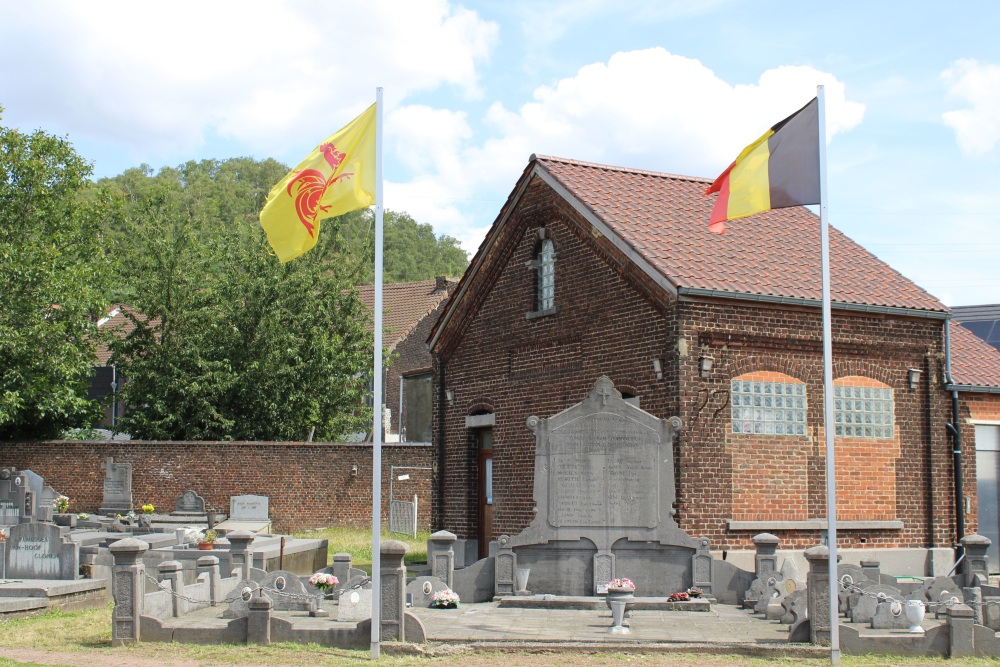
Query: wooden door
x=484, y=445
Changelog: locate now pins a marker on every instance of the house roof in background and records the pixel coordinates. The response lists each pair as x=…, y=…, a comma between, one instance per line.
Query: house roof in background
x=984, y=321
x=664, y=218
x=404, y=305
x=116, y=322
x=974, y=363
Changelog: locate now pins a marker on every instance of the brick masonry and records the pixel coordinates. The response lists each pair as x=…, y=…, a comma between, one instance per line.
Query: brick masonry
x=309, y=484
x=613, y=320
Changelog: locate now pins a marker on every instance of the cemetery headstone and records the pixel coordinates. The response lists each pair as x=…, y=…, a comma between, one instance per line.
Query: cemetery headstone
x=189, y=504
x=355, y=605
x=604, y=478
x=39, y=551
x=420, y=591
x=249, y=508
x=13, y=497
x=117, y=488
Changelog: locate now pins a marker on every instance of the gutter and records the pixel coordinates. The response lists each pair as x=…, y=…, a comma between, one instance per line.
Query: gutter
x=955, y=430
x=812, y=303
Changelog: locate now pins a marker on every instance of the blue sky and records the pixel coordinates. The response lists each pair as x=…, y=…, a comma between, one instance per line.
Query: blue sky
x=473, y=89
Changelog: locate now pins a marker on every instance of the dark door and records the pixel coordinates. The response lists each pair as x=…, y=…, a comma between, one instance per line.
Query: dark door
x=484, y=442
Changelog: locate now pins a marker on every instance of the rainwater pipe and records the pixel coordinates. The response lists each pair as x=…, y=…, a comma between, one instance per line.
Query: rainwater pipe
x=955, y=430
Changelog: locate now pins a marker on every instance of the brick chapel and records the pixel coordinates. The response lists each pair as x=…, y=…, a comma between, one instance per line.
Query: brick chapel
x=591, y=270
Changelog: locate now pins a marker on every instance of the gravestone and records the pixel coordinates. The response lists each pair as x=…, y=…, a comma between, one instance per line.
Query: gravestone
x=355, y=605
x=39, y=551
x=604, y=493
x=420, y=591
x=117, y=488
x=189, y=504
x=14, y=497
x=250, y=513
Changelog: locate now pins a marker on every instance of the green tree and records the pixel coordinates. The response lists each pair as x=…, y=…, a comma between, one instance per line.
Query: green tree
x=55, y=276
x=411, y=249
x=231, y=344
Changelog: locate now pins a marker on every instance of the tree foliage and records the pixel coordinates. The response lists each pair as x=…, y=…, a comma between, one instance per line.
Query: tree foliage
x=229, y=343
x=55, y=276
x=411, y=249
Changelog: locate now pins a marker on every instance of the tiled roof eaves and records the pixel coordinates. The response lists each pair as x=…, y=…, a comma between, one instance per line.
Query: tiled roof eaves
x=813, y=303
x=594, y=218
x=972, y=388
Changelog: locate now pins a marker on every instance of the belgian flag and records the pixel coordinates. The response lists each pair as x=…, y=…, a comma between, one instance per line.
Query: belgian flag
x=779, y=170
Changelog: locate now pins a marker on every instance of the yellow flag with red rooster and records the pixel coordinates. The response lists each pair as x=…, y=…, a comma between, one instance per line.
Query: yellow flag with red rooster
x=336, y=178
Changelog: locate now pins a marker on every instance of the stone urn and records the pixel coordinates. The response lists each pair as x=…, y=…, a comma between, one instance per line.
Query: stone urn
x=621, y=594
x=915, y=615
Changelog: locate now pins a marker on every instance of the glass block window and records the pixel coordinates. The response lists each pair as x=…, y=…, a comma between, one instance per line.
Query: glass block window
x=546, y=276
x=769, y=408
x=863, y=412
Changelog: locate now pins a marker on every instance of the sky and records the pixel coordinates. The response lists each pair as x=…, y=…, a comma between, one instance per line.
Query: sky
x=473, y=89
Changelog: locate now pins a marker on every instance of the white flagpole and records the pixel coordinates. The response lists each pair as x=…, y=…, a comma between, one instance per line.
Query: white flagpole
x=828, y=418
x=377, y=398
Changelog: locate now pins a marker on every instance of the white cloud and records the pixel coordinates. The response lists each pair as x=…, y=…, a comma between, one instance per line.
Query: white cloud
x=646, y=109
x=268, y=75
x=977, y=85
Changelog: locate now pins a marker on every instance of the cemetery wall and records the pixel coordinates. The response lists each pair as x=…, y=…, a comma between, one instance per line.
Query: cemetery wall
x=310, y=485
x=612, y=320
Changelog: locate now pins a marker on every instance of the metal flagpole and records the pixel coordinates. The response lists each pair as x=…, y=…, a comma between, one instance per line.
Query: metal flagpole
x=377, y=397
x=828, y=418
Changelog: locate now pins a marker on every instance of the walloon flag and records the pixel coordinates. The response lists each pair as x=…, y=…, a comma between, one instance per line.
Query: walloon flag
x=779, y=170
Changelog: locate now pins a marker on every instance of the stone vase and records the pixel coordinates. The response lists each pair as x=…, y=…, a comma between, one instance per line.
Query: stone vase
x=915, y=615
x=617, y=617
x=522, y=578
x=626, y=595
x=319, y=612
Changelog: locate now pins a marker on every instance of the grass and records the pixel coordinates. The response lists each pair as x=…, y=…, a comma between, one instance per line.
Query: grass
x=83, y=639
x=358, y=543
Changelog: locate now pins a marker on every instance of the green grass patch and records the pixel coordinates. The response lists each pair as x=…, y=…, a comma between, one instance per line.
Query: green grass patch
x=358, y=543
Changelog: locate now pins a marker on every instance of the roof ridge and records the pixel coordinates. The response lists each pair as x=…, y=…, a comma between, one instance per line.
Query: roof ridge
x=626, y=170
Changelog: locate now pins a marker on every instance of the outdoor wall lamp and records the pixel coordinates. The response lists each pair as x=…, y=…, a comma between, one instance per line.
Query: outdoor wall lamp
x=914, y=375
x=450, y=395
x=658, y=369
x=705, y=365
x=354, y=470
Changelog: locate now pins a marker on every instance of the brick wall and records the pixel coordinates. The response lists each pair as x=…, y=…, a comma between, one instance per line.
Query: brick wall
x=309, y=484
x=613, y=321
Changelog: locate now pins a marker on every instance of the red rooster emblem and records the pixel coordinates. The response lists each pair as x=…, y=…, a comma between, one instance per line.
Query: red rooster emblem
x=310, y=186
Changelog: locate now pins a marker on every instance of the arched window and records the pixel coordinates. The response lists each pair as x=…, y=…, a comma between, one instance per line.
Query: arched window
x=863, y=408
x=546, y=295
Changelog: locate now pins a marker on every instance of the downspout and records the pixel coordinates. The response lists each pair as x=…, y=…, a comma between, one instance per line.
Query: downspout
x=955, y=429
x=442, y=400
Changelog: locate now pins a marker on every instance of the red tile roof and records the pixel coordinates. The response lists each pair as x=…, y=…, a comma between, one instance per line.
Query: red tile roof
x=974, y=362
x=117, y=323
x=664, y=218
x=403, y=306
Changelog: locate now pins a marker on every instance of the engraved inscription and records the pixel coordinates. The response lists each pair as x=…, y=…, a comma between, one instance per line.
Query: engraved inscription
x=603, y=472
x=113, y=487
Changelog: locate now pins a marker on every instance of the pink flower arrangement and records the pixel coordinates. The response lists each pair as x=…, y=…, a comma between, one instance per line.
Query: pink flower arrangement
x=446, y=599
x=621, y=583
x=323, y=581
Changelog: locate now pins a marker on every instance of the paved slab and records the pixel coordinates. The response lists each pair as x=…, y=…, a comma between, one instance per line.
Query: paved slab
x=489, y=622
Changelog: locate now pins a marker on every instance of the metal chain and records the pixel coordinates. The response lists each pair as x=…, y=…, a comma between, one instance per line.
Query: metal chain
x=254, y=589
x=192, y=600
x=931, y=606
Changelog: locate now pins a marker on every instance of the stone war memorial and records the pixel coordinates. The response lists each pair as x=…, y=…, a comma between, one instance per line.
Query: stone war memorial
x=604, y=494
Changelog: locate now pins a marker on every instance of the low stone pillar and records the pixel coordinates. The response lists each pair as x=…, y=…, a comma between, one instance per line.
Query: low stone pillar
x=241, y=553
x=170, y=574
x=259, y=619
x=766, y=560
x=442, y=556
x=393, y=583
x=505, y=565
x=342, y=567
x=976, y=565
x=88, y=561
x=818, y=587
x=974, y=599
x=128, y=590
x=209, y=566
x=961, y=641
x=701, y=567
x=871, y=568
